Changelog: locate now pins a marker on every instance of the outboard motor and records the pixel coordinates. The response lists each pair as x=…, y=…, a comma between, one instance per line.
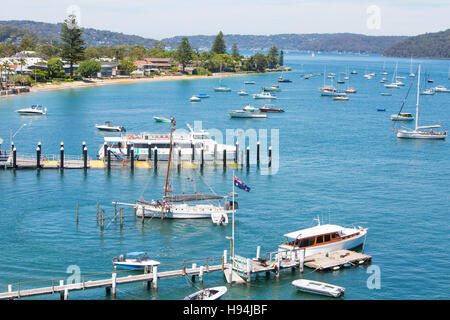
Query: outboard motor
x=228, y=205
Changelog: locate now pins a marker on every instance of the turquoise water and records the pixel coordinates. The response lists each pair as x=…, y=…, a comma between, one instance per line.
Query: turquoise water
x=338, y=160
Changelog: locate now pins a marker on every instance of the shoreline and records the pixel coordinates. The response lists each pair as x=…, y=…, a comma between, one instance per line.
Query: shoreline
x=103, y=82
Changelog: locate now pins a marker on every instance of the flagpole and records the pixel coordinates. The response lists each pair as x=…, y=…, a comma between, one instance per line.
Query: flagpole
x=232, y=229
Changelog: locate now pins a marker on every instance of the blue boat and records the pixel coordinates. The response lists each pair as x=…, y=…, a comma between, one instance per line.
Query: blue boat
x=134, y=261
x=203, y=95
x=381, y=109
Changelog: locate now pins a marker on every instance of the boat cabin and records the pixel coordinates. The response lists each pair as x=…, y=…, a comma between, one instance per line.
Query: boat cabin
x=319, y=235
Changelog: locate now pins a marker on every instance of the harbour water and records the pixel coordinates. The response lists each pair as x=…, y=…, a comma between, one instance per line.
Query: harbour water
x=339, y=160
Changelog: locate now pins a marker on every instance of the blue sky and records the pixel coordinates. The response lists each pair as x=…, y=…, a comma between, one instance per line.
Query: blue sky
x=166, y=18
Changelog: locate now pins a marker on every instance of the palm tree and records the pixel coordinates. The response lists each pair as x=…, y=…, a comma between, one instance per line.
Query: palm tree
x=6, y=65
x=22, y=62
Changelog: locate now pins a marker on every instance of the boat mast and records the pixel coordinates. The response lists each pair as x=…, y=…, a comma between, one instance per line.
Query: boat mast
x=232, y=229
x=418, y=94
x=168, y=168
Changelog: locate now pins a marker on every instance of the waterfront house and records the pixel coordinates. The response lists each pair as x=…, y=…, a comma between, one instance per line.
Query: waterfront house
x=108, y=69
x=149, y=65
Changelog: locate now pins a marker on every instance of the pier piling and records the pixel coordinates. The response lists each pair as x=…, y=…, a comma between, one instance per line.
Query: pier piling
x=258, y=145
x=179, y=158
x=193, y=152
x=113, y=284
x=155, y=278
x=236, y=154
x=61, y=160
x=97, y=210
x=155, y=157
x=248, y=157
x=85, y=160
x=128, y=149
x=270, y=157
x=14, y=157
x=200, y=275
x=77, y=212
x=224, y=158
x=202, y=158
x=132, y=158
x=38, y=156
x=121, y=218
x=101, y=219
x=108, y=158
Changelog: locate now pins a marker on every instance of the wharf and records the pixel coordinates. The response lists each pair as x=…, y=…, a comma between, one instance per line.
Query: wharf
x=336, y=259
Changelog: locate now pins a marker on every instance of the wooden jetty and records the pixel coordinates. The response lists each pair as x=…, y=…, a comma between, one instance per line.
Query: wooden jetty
x=238, y=270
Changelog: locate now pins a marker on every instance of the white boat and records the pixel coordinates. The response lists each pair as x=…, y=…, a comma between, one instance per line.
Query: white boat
x=411, y=73
x=33, y=110
x=354, y=72
x=422, y=132
x=109, y=127
x=222, y=89
x=428, y=92
x=402, y=116
x=272, y=88
x=145, y=141
x=317, y=287
x=249, y=82
x=184, y=206
x=243, y=93
x=264, y=95
x=386, y=94
x=395, y=84
x=350, y=90
x=327, y=91
x=322, y=239
x=340, y=98
x=219, y=219
x=134, y=261
x=247, y=114
x=195, y=99
x=441, y=89
x=214, y=293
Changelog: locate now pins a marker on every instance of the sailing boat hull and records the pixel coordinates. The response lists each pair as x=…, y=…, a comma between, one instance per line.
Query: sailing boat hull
x=181, y=211
x=404, y=134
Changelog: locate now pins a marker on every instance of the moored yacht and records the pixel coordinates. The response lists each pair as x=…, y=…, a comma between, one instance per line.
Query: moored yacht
x=33, y=110
x=322, y=238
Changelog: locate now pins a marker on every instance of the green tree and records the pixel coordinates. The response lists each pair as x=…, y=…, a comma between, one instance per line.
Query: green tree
x=72, y=44
x=47, y=50
x=273, y=57
x=91, y=53
x=8, y=49
x=127, y=66
x=89, y=68
x=55, y=68
x=219, y=46
x=235, y=51
x=27, y=44
x=258, y=62
x=281, y=58
x=184, y=52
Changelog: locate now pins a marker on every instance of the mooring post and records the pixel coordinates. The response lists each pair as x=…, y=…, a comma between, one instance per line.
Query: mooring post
x=258, y=146
x=236, y=155
x=224, y=158
x=105, y=151
x=270, y=157
x=61, y=160
x=97, y=210
x=302, y=261
x=113, y=283
x=200, y=275
x=224, y=259
x=278, y=266
x=85, y=162
x=38, y=156
x=155, y=157
x=215, y=152
x=193, y=152
x=128, y=149
x=202, y=158
x=121, y=218
x=132, y=158
x=101, y=219
x=77, y=212
x=249, y=270
x=14, y=158
x=258, y=251
x=149, y=152
x=155, y=278
x=82, y=147
x=109, y=158
x=194, y=265
x=248, y=157
x=115, y=209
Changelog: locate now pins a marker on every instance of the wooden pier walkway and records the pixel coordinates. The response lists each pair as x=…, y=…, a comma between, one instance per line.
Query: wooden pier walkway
x=239, y=270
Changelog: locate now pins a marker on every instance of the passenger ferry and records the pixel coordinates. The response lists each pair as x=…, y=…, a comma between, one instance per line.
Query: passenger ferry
x=145, y=141
x=322, y=239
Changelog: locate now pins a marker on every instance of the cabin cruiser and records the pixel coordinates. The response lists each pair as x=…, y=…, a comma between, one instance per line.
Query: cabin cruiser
x=222, y=89
x=264, y=95
x=243, y=93
x=327, y=91
x=322, y=239
x=270, y=108
x=441, y=89
x=134, y=261
x=33, y=110
x=145, y=141
x=109, y=127
x=402, y=116
x=247, y=112
x=272, y=88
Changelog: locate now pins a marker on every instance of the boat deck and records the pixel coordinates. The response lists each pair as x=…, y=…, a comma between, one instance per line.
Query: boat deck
x=336, y=259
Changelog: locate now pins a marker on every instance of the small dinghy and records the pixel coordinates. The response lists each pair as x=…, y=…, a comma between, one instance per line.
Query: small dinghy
x=219, y=218
x=249, y=82
x=386, y=94
x=109, y=127
x=161, y=119
x=317, y=287
x=381, y=109
x=195, y=99
x=214, y=293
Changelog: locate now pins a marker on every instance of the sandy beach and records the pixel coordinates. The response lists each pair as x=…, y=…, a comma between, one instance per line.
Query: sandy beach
x=101, y=82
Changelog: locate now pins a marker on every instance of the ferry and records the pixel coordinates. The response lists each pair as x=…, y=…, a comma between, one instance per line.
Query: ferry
x=322, y=239
x=145, y=141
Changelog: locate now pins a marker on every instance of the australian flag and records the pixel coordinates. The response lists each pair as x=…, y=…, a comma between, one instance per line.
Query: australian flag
x=238, y=183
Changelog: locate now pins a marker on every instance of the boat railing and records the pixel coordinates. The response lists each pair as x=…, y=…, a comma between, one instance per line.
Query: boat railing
x=285, y=254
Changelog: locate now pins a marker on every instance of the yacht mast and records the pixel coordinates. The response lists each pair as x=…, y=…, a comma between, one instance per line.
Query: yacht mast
x=168, y=167
x=418, y=94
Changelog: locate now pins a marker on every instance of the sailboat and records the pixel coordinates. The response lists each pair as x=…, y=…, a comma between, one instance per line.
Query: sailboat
x=221, y=88
x=384, y=69
x=427, y=91
x=327, y=91
x=411, y=74
x=393, y=85
x=421, y=132
x=184, y=206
